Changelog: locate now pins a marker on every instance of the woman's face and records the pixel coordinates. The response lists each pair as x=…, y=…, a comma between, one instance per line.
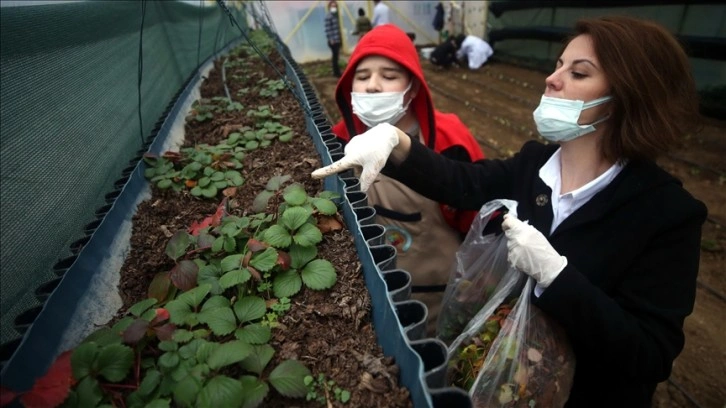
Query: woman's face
x=579, y=76
x=379, y=74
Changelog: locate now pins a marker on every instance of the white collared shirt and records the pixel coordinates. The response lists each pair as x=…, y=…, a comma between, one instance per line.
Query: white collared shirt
x=563, y=205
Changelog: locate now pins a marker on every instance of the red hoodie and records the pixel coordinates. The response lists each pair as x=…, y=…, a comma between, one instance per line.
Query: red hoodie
x=442, y=132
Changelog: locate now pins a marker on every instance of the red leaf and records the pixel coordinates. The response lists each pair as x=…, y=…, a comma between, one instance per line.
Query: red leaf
x=211, y=221
x=255, y=245
x=159, y=287
x=165, y=331
x=256, y=275
x=229, y=191
x=184, y=275
x=327, y=223
x=283, y=259
x=6, y=396
x=162, y=315
x=51, y=389
x=136, y=331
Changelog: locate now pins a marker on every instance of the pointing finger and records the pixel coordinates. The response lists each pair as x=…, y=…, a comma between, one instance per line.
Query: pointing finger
x=337, y=167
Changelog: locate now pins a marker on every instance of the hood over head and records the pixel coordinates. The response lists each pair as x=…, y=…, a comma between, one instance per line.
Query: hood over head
x=393, y=43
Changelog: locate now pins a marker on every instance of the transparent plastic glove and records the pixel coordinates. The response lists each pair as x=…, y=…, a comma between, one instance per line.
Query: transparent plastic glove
x=369, y=150
x=531, y=253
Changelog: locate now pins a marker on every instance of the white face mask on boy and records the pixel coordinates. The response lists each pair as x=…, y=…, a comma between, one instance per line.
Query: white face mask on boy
x=382, y=107
x=556, y=118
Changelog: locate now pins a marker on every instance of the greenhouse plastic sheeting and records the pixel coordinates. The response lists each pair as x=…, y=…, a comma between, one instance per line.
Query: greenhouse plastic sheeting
x=69, y=120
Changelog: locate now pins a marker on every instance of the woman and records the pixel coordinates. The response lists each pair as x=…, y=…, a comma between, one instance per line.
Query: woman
x=332, y=34
x=384, y=83
x=612, y=240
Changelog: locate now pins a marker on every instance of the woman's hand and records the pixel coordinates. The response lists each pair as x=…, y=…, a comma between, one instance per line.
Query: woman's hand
x=531, y=253
x=370, y=151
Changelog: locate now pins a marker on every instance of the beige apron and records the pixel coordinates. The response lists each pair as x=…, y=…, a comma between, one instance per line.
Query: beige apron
x=426, y=245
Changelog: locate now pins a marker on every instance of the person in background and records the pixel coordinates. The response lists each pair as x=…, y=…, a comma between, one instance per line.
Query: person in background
x=472, y=50
x=381, y=13
x=611, y=239
x=332, y=33
x=362, y=24
x=384, y=83
x=445, y=54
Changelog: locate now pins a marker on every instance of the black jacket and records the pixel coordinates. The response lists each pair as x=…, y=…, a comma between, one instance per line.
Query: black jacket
x=633, y=253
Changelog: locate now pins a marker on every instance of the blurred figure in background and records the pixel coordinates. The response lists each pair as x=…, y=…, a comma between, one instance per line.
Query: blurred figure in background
x=362, y=24
x=381, y=13
x=445, y=54
x=472, y=50
x=332, y=33
x=384, y=84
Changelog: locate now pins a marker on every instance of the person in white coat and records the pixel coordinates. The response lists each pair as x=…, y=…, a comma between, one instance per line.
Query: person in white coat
x=474, y=49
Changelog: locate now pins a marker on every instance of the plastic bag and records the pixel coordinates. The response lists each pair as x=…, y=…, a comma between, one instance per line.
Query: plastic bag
x=478, y=271
x=510, y=354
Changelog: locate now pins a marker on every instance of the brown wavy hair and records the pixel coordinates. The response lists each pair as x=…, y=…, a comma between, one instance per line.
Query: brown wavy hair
x=655, y=102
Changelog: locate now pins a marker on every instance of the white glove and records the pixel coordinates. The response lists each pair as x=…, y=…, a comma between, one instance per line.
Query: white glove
x=369, y=150
x=531, y=253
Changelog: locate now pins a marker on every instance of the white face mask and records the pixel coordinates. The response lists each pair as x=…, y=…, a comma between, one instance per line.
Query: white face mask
x=334, y=10
x=382, y=107
x=557, y=118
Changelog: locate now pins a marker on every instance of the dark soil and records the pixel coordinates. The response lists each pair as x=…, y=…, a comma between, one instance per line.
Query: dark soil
x=330, y=331
x=496, y=104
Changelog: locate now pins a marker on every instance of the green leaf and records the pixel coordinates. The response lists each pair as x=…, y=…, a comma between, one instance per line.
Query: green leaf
x=229, y=244
x=184, y=274
x=344, y=396
x=275, y=182
x=218, y=244
x=178, y=244
x=179, y=311
x=158, y=403
x=287, y=378
x=325, y=206
x=249, y=308
x=231, y=262
x=220, y=320
x=260, y=202
x=254, y=333
x=151, y=380
x=277, y=236
x=254, y=390
x=252, y=145
x=215, y=302
x=115, y=361
x=217, y=176
x=164, y=184
x=308, y=235
x=294, y=217
x=210, y=192
x=258, y=359
x=285, y=137
x=287, y=283
x=103, y=337
x=83, y=358
x=170, y=359
x=221, y=391
x=319, y=274
x=168, y=346
x=88, y=393
x=186, y=391
x=295, y=194
x=182, y=336
x=141, y=307
x=228, y=353
x=301, y=255
x=233, y=278
x=330, y=195
x=265, y=260
x=234, y=178
x=194, y=297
